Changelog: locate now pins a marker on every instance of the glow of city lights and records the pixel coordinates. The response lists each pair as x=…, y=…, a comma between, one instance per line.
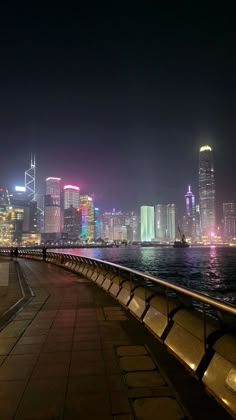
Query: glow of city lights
x=90, y=199
x=51, y=177
x=71, y=187
x=204, y=148
x=20, y=189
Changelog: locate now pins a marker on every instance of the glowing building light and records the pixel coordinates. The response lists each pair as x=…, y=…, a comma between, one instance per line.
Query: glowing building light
x=52, y=177
x=20, y=189
x=71, y=187
x=204, y=148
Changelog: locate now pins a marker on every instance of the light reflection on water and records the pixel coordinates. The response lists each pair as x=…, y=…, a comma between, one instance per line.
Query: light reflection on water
x=210, y=270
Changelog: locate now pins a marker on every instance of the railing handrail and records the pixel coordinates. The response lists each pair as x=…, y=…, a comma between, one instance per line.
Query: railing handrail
x=183, y=290
x=188, y=292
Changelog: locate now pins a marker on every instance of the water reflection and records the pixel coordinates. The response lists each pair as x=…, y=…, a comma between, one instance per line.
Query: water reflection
x=210, y=270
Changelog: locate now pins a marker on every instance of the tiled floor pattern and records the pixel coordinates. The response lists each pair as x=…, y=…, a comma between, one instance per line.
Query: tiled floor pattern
x=57, y=356
x=67, y=355
x=148, y=391
x=10, y=291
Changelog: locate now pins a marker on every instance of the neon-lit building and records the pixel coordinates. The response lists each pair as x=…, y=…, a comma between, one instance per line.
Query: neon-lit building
x=147, y=223
x=53, y=188
x=207, y=191
x=87, y=217
x=190, y=216
x=97, y=223
x=71, y=196
x=229, y=214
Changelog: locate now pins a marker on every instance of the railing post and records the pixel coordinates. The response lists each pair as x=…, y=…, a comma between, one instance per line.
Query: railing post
x=204, y=333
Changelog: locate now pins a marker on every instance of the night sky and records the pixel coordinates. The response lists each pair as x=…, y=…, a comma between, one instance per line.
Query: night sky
x=119, y=99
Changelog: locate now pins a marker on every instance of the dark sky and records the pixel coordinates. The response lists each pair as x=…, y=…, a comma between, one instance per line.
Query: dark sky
x=118, y=100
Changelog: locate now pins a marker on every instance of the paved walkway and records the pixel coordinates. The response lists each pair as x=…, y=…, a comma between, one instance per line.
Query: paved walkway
x=10, y=291
x=73, y=352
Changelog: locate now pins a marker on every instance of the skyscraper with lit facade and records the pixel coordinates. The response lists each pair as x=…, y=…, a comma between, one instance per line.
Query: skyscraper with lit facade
x=97, y=224
x=207, y=191
x=160, y=222
x=147, y=223
x=53, y=188
x=190, y=215
x=72, y=223
x=71, y=196
x=52, y=215
x=87, y=217
x=170, y=226
x=229, y=214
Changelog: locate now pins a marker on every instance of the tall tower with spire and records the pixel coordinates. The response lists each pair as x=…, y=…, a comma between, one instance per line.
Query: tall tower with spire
x=207, y=191
x=190, y=215
x=30, y=180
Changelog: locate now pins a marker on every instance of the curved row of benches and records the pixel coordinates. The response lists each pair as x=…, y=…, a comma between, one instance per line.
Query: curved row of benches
x=196, y=339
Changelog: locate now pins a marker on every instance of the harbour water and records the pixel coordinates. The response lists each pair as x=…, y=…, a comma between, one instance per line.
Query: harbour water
x=210, y=270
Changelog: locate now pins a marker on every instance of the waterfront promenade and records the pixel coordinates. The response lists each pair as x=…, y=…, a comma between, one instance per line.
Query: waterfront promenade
x=72, y=352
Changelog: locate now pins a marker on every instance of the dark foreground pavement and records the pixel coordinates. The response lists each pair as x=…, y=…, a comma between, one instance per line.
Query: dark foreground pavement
x=72, y=352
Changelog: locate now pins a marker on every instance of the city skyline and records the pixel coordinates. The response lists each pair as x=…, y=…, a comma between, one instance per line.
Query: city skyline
x=125, y=97
x=67, y=214
x=179, y=202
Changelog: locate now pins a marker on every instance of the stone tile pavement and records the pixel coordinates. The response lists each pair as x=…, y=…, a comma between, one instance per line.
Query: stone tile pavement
x=74, y=353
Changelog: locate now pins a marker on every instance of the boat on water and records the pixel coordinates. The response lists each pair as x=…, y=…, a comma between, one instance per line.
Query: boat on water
x=182, y=243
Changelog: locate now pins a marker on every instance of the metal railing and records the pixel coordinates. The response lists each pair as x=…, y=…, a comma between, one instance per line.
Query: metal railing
x=129, y=274
x=211, y=329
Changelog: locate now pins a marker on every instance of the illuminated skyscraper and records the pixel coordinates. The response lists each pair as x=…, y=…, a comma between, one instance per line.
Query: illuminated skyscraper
x=113, y=226
x=72, y=223
x=229, y=213
x=147, y=223
x=52, y=215
x=207, y=191
x=97, y=223
x=132, y=227
x=71, y=196
x=160, y=222
x=53, y=188
x=190, y=216
x=87, y=216
x=170, y=217
x=30, y=177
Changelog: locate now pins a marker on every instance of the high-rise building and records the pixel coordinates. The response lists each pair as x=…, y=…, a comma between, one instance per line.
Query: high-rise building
x=198, y=223
x=30, y=180
x=190, y=216
x=52, y=215
x=114, y=226
x=53, y=188
x=170, y=227
x=119, y=228
x=207, y=191
x=165, y=216
x=229, y=214
x=72, y=223
x=132, y=227
x=147, y=223
x=160, y=222
x=106, y=226
x=87, y=216
x=97, y=224
x=71, y=196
